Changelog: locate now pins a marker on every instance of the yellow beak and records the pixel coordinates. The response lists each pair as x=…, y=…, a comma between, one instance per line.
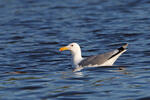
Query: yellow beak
x=63, y=48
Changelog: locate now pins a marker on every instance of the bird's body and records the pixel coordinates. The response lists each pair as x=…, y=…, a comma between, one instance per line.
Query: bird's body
x=106, y=59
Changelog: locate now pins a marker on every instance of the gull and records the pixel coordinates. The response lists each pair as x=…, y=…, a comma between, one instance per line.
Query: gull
x=105, y=59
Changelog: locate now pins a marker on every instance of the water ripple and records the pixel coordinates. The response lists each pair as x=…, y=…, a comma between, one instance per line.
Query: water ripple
x=31, y=33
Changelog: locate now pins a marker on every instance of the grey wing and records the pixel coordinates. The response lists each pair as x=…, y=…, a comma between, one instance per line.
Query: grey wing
x=102, y=58
x=98, y=59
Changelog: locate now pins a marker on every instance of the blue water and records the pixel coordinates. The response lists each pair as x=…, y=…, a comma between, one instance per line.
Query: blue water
x=32, y=31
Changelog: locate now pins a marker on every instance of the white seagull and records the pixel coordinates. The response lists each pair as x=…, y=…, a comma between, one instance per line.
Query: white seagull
x=106, y=59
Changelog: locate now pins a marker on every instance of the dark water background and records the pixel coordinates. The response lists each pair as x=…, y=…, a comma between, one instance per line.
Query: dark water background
x=32, y=31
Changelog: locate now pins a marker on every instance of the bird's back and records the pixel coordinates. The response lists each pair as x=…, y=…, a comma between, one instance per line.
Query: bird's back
x=105, y=59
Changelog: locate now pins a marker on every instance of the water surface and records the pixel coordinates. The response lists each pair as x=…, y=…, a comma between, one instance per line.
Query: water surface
x=32, y=31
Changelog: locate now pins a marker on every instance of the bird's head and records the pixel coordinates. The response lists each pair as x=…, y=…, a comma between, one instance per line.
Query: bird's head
x=73, y=47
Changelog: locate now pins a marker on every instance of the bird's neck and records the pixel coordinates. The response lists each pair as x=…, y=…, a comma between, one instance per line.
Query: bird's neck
x=76, y=57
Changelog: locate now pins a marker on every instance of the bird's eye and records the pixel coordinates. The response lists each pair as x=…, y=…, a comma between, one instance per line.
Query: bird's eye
x=72, y=45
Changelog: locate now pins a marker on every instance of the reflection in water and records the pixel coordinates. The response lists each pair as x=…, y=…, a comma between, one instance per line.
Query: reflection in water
x=17, y=72
x=78, y=74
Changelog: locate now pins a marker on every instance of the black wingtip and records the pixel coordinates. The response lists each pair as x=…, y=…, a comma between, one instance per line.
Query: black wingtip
x=124, y=47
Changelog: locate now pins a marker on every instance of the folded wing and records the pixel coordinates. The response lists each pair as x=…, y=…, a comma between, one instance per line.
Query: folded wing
x=102, y=58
